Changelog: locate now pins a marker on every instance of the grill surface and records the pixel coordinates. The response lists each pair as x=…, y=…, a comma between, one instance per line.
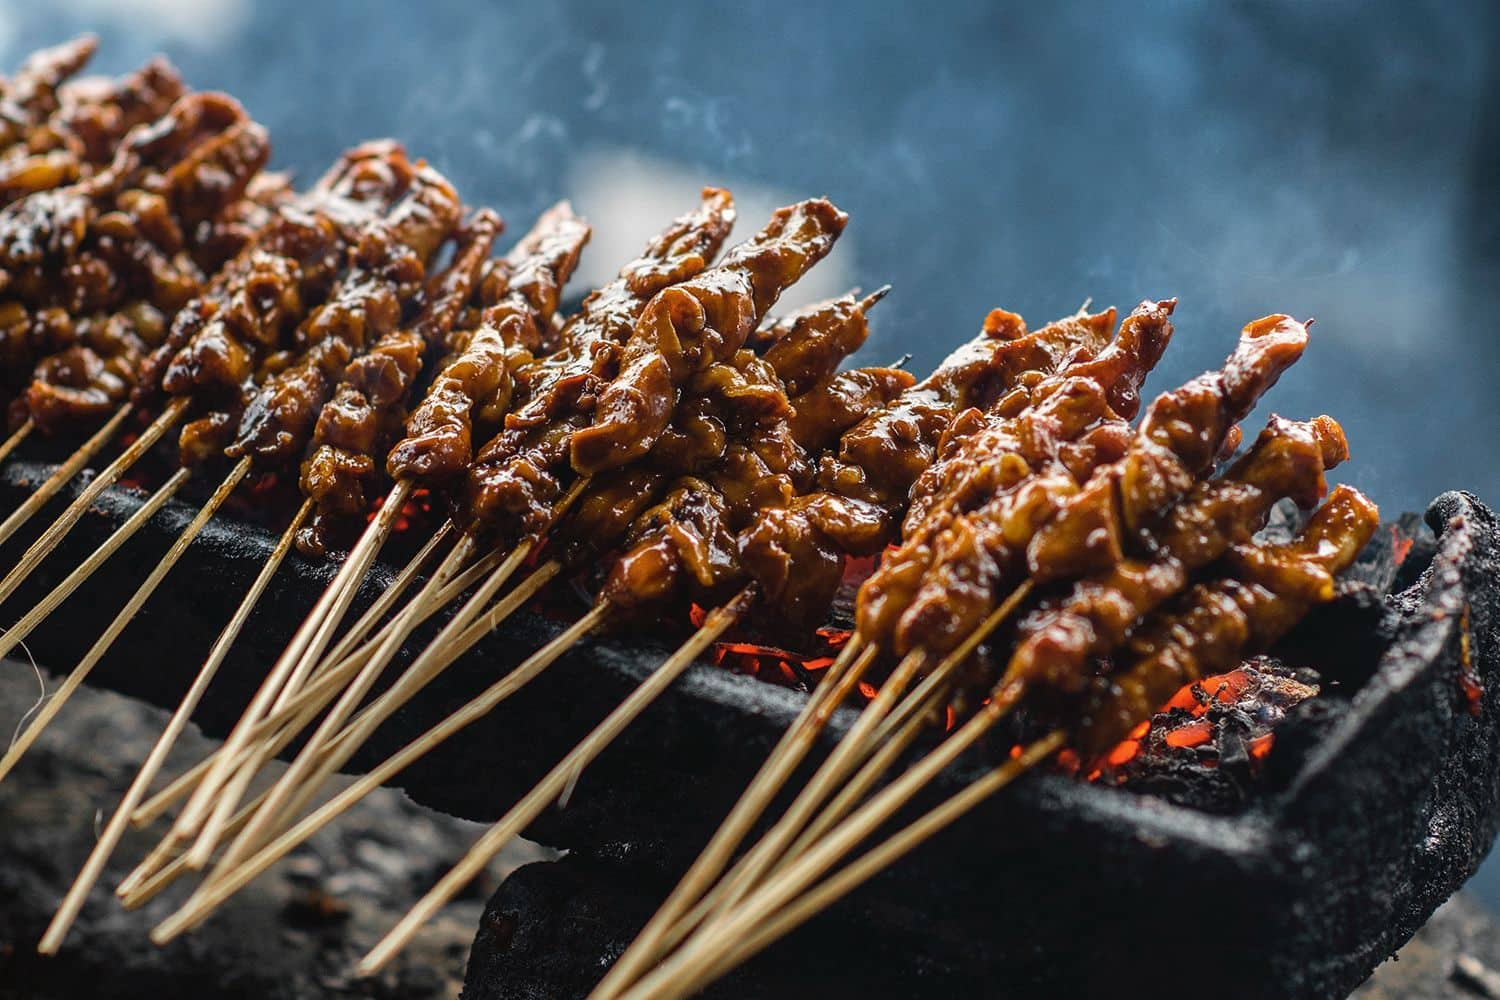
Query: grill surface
x=1381, y=800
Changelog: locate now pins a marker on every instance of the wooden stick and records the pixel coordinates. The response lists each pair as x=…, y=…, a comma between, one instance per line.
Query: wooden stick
x=441, y=652
x=718, y=935
x=115, y=829
x=889, y=750
x=556, y=783
x=309, y=768
x=862, y=740
x=360, y=630
x=127, y=614
x=302, y=780
x=63, y=474
x=666, y=928
x=280, y=681
x=59, y=528
x=74, y=580
x=213, y=893
x=747, y=872
x=14, y=441
x=153, y=881
x=877, y=859
x=186, y=782
x=327, y=679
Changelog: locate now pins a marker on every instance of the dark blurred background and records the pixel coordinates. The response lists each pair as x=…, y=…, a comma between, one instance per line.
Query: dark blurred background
x=1336, y=160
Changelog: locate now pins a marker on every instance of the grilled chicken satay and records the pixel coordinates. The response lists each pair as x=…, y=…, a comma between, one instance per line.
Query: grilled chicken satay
x=94, y=301
x=1181, y=436
x=713, y=311
x=518, y=475
x=81, y=133
x=691, y=325
x=520, y=318
x=234, y=343
x=92, y=362
x=881, y=458
x=1265, y=590
x=368, y=407
x=387, y=265
x=970, y=452
x=720, y=420
x=30, y=97
x=477, y=383
x=734, y=440
x=685, y=541
x=1057, y=641
x=816, y=530
x=167, y=180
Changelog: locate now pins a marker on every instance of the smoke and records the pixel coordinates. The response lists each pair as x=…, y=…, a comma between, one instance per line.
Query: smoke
x=196, y=24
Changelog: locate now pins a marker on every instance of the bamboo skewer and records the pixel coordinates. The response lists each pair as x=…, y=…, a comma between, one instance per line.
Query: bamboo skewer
x=888, y=751
x=123, y=619
x=115, y=829
x=877, y=859
x=14, y=441
x=319, y=689
x=857, y=744
x=823, y=783
x=669, y=925
x=664, y=929
x=282, y=680
x=436, y=658
x=147, y=887
x=74, y=580
x=59, y=528
x=306, y=775
x=716, y=936
x=214, y=892
x=557, y=782
x=64, y=473
x=310, y=766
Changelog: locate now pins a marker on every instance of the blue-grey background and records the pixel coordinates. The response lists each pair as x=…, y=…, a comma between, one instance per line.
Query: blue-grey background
x=1336, y=160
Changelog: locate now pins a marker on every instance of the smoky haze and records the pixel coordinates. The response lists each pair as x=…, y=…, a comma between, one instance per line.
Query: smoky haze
x=1330, y=160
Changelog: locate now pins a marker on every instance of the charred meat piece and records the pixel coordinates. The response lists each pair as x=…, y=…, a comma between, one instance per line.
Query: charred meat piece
x=1000, y=475
x=31, y=96
x=368, y=407
x=478, y=381
x=520, y=472
x=1057, y=641
x=809, y=345
x=82, y=133
x=881, y=457
x=1266, y=590
x=252, y=361
x=689, y=326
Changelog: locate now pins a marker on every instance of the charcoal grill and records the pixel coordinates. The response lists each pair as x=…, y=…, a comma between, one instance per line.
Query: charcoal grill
x=1378, y=801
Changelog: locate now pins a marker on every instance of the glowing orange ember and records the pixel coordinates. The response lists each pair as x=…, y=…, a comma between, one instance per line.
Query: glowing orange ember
x=1400, y=547
x=1191, y=735
x=1469, y=683
x=1184, y=723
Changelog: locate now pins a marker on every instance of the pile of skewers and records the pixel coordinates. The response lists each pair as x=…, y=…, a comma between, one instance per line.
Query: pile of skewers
x=669, y=444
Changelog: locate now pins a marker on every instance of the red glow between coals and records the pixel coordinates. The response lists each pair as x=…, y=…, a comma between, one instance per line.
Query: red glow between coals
x=1400, y=547
x=1185, y=726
